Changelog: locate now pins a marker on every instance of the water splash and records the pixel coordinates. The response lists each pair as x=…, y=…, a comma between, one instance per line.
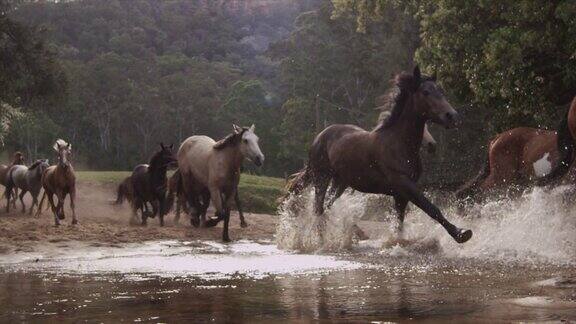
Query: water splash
x=537, y=227
x=300, y=229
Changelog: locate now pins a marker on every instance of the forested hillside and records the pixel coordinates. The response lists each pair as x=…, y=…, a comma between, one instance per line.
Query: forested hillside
x=117, y=77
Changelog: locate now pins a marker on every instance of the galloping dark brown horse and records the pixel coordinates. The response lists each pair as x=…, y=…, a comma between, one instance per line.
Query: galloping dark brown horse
x=149, y=183
x=523, y=156
x=385, y=160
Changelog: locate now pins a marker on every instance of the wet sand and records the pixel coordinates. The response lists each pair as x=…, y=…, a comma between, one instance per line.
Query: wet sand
x=103, y=224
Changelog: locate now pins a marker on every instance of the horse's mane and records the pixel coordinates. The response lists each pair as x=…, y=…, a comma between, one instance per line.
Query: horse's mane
x=60, y=142
x=35, y=164
x=396, y=97
x=229, y=140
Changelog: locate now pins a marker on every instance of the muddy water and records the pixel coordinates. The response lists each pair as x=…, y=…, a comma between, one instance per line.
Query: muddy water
x=519, y=266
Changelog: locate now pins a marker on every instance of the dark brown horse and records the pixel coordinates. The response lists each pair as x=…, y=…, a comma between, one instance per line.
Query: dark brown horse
x=524, y=156
x=60, y=180
x=385, y=160
x=17, y=159
x=149, y=183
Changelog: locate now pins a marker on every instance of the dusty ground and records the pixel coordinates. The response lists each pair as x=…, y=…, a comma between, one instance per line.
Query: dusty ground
x=102, y=223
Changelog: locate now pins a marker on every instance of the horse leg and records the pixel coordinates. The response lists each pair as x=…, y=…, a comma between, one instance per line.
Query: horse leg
x=217, y=199
x=22, y=193
x=226, y=201
x=15, y=197
x=73, y=206
x=321, y=182
x=336, y=190
x=8, y=194
x=243, y=223
x=145, y=212
x=60, y=208
x=34, y=201
x=408, y=190
x=161, y=210
x=400, y=205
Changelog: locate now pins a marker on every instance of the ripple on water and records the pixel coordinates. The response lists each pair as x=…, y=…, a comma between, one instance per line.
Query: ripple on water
x=169, y=259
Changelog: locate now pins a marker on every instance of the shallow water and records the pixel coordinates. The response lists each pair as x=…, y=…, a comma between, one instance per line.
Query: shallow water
x=519, y=266
x=249, y=281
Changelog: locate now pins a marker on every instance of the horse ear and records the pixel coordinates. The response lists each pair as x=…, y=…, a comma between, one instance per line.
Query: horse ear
x=56, y=146
x=69, y=146
x=252, y=128
x=162, y=146
x=417, y=75
x=237, y=129
x=172, y=146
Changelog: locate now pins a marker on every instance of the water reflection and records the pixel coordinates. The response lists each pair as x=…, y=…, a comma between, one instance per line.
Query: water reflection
x=372, y=289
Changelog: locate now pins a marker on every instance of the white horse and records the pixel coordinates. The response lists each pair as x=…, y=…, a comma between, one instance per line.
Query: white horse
x=210, y=171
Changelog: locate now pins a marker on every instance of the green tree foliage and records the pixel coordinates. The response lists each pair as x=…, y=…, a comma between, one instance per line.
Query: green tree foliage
x=332, y=74
x=141, y=72
x=513, y=59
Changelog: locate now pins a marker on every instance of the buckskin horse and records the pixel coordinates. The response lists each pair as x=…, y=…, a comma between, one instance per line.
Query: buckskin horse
x=385, y=160
x=525, y=156
x=149, y=184
x=210, y=170
x=60, y=180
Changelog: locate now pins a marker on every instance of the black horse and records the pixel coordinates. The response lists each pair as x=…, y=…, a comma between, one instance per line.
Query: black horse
x=149, y=183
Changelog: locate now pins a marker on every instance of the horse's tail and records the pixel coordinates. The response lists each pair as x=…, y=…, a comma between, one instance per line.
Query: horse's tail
x=175, y=187
x=120, y=193
x=565, y=145
x=471, y=187
x=39, y=211
x=299, y=181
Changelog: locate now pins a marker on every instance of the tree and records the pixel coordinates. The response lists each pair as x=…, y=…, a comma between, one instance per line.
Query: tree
x=333, y=74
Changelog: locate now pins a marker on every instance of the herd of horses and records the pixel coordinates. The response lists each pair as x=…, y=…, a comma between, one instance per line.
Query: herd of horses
x=385, y=160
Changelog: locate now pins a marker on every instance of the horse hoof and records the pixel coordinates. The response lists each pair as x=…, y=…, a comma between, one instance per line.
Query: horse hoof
x=74, y=221
x=211, y=222
x=61, y=217
x=463, y=236
x=195, y=222
x=243, y=224
x=226, y=240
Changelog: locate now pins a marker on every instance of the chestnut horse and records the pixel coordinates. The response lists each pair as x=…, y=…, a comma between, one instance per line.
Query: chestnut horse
x=522, y=156
x=149, y=184
x=211, y=171
x=18, y=159
x=60, y=180
x=385, y=160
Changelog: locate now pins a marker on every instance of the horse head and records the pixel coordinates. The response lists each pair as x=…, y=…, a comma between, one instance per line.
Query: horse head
x=64, y=151
x=18, y=158
x=249, y=144
x=430, y=102
x=165, y=157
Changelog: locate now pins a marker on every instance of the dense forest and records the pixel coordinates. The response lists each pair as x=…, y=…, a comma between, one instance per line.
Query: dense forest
x=117, y=77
